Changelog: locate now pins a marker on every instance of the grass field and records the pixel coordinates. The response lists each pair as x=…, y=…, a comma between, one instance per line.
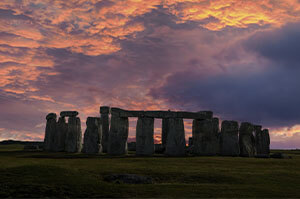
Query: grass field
x=40, y=174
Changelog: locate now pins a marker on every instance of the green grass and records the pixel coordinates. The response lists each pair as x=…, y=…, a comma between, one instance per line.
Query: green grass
x=40, y=174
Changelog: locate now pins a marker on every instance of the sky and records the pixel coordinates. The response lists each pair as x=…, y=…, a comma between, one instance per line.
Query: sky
x=238, y=58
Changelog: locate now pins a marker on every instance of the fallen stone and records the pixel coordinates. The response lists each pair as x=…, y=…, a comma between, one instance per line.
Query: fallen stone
x=32, y=148
x=280, y=156
x=50, y=132
x=247, y=140
x=144, y=136
x=159, y=148
x=176, y=139
x=92, y=136
x=118, y=134
x=128, y=179
x=229, y=139
x=74, y=136
x=205, y=140
x=68, y=113
x=132, y=146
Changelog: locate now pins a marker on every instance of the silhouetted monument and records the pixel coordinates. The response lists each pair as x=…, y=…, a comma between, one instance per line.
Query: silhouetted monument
x=92, y=136
x=109, y=133
x=247, y=140
x=229, y=139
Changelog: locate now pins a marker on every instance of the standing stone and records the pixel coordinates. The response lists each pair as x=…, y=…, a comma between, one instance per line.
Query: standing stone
x=258, y=140
x=74, y=135
x=216, y=131
x=175, y=145
x=164, y=132
x=247, y=140
x=105, y=110
x=92, y=136
x=229, y=139
x=118, y=134
x=62, y=130
x=265, y=142
x=144, y=136
x=205, y=140
x=50, y=132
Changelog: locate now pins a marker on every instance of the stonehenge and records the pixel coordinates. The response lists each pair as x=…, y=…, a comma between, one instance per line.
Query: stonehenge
x=247, y=140
x=105, y=111
x=61, y=136
x=144, y=136
x=229, y=139
x=73, y=142
x=176, y=144
x=92, y=143
x=50, y=132
x=109, y=134
x=118, y=135
x=205, y=140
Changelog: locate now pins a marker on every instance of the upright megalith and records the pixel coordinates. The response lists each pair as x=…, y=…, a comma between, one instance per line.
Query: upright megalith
x=205, y=141
x=175, y=145
x=74, y=135
x=62, y=130
x=105, y=111
x=265, y=142
x=164, y=132
x=247, y=140
x=144, y=136
x=118, y=134
x=216, y=131
x=258, y=139
x=229, y=138
x=92, y=136
x=50, y=132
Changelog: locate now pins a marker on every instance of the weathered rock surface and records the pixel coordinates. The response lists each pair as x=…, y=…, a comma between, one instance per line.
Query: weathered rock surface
x=92, y=136
x=280, y=156
x=128, y=179
x=61, y=134
x=105, y=129
x=144, y=136
x=118, y=134
x=74, y=135
x=247, y=140
x=50, y=132
x=176, y=139
x=68, y=113
x=205, y=140
x=229, y=139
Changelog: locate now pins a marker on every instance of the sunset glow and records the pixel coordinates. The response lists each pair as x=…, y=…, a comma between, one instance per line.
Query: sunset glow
x=237, y=58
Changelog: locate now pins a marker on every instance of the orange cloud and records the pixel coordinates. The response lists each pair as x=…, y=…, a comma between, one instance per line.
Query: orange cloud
x=235, y=13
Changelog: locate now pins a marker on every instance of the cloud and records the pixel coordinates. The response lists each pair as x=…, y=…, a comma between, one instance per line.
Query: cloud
x=134, y=54
x=268, y=96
